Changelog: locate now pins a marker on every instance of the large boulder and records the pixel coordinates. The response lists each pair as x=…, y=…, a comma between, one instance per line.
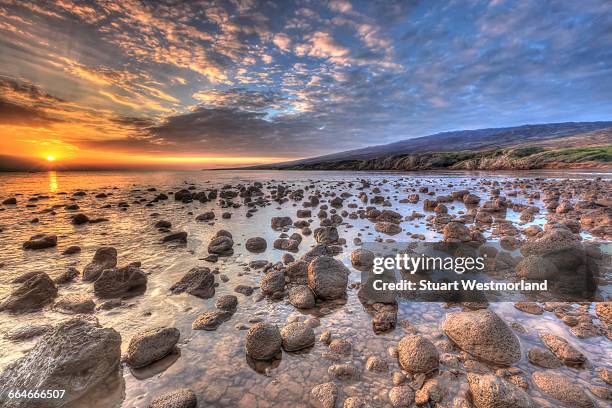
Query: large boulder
x=151, y=345
x=40, y=241
x=104, y=258
x=263, y=341
x=328, y=277
x=199, y=282
x=75, y=356
x=297, y=336
x=122, y=282
x=33, y=294
x=562, y=389
x=484, y=335
x=417, y=354
x=492, y=391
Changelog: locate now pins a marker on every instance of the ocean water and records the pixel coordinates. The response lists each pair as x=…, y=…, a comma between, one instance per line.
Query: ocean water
x=214, y=364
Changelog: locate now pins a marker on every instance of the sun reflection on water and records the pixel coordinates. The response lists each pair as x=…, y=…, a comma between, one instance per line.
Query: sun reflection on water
x=53, y=186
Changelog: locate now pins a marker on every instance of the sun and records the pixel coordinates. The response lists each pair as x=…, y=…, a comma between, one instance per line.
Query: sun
x=50, y=158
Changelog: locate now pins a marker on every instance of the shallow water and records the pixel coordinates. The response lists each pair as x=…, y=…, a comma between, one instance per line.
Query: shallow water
x=213, y=364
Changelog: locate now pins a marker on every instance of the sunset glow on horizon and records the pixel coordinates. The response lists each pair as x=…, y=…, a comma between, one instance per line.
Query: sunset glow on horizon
x=126, y=84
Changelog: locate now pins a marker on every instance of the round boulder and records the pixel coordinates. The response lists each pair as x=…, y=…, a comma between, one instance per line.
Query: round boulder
x=327, y=277
x=297, y=336
x=263, y=341
x=417, y=354
x=151, y=345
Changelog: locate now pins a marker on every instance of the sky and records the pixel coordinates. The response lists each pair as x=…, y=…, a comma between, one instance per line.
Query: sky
x=199, y=84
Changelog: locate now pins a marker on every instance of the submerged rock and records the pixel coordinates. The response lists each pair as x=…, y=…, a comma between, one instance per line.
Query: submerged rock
x=211, y=320
x=483, y=334
x=151, y=345
x=75, y=356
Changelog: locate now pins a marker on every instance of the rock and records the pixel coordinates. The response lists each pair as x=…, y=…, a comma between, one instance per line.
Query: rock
x=40, y=241
x=341, y=347
x=326, y=235
x=151, y=345
x=123, y=282
x=280, y=222
x=605, y=374
x=75, y=356
x=563, y=350
x=484, y=335
x=604, y=312
x=207, y=216
x=180, y=236
x=324, y=395
x=273, y=282
x=561, y=388
x=377, y=364
x=543, y=358
x=401, y=396
x=456, y=231
x=211, y=320
x=297, y=336
x=71, y=250
x=301, y=297
x=199, y=282
x=104, y=258
x=181, y=398
x=80, y=219
x=67, y=276
x=343, y=372
x=529, y=307
x=229, y=303
x=33, y=294
x=10, y=201
x=27, y=332
x=388, y=228
x=263, y=341
x=491, y=391
x=163, y=224
x=362, y=259
x=471, y=199
x=75, y=304
x=355, y=402
x=297, y=272
x=417, y=354
x=327, y=277
x=221, y=245
x=244, y=290
x=256, y=244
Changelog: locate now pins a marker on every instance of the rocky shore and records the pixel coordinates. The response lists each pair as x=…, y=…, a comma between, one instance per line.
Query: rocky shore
x=249, y=294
